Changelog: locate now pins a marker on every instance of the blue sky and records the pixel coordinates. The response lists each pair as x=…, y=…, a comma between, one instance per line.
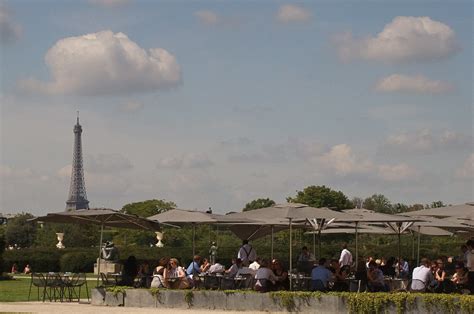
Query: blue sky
x=243, y=99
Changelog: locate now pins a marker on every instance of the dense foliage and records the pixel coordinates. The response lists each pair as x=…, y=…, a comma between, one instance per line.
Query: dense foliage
x=19, y=231
x=321, y=196
x=258, y=203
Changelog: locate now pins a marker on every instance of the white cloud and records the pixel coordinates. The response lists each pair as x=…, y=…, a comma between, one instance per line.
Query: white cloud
x=207, y=17
x=107, y=163
x=9, y=30
x=132, y=106
x=466, y=171
x=398, y=172
x=105, y=63
x=414, y=84
x=405, y=39
x=192, y=160
x=290, y=13
x=342, y=160
x=109, y=3
x=426, y=141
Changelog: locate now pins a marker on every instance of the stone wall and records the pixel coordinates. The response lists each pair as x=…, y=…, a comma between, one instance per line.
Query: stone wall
x=237, y=301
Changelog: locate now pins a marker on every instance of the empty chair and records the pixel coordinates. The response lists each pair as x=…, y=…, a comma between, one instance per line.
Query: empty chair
x=38, y=280
x=77, y=281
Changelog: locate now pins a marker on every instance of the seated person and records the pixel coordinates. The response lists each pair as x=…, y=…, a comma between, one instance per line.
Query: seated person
x=460, y=278
x=305, y=260
x=175, y=276
x=205, y=265
x=129, y=272
x=265, y=278
x=282, y=282
x=320, y=276
x=216, y=268
x=194, y=267
x=233, y=270
x=158, y=279
x=422, y=276
x=256, y=264
x=27, y=269
x=389, y=269
x=403, y=269
x=340, y=276
x=246, y=271
x=375, y=278
x=440, y=276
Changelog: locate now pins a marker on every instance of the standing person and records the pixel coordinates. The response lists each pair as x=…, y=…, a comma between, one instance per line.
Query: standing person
x=247, y=253
x=470, y=264
x=346, y=256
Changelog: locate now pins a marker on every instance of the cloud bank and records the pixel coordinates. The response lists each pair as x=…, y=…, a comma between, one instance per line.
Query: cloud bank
x=405, y=39
x=9, y=30
x=105, y=63
x=290, y=13
x=412, y=84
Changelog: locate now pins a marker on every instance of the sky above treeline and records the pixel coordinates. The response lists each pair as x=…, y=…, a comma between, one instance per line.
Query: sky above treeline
x=216, y=103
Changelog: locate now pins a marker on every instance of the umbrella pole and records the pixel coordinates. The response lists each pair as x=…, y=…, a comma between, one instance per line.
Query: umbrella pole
x=194, y=239
x=291, y=256
x=272, y=243
x=413, y=246
x=314, y=244
x=357, y=244
x=418, y=254
x=399, y=249
x=319, y=243
x=100, y=248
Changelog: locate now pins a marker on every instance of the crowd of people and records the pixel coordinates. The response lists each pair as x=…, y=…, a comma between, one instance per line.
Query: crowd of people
x=443, y=275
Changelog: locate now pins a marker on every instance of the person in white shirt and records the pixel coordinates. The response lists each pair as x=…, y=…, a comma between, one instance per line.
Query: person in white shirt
x=247, y=253
x=216, y=268
x=236, y=265
x=265, y=278
x=256, y=264
x=422, y=273
x=346, y=256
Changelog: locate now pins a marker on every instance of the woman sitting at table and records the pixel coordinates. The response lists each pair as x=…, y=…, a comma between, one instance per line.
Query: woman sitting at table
x=460, y=278
x=158, y=280
x=440, y=276
x=340, y=276
x=130, y=271
x=282, y=282
x=175, y=276
x=205, y=265
x=375, y=278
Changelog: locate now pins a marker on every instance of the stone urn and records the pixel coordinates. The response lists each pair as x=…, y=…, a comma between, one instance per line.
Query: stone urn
x=159, y=237
x=60, y=237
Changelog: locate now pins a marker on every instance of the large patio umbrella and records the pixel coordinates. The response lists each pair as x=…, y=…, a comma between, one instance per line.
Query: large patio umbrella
x=182, y=217
x=429, y=225
x=290, y=212
x=103, y=217
x=462, y=211
x=398, y=224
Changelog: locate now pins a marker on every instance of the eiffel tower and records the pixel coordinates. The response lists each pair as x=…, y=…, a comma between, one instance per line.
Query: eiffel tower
x=77, y=191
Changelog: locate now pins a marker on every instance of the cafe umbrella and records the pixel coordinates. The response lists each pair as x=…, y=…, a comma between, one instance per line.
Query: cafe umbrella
x=103, y=217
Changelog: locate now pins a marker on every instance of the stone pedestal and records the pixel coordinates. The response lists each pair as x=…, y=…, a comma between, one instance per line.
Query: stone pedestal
x=107, y=267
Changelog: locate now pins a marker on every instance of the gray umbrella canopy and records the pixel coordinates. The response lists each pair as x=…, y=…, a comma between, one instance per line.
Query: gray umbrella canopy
x=102, y=217
x=463, y=211
x=367, y=215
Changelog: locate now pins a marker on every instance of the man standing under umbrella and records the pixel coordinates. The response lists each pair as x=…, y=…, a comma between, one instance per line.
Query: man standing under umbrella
x=346, y=256
x=246, y=253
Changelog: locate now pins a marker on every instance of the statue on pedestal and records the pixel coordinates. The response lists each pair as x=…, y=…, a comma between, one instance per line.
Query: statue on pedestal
x=109, y=252
x=213, y=253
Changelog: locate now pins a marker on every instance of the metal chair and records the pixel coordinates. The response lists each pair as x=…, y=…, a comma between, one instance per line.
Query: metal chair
x=77, y=281
x=56, y=286
x=38, y=280
x=105, y=281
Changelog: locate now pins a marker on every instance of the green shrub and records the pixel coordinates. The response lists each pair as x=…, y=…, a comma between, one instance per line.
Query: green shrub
x=77, y=262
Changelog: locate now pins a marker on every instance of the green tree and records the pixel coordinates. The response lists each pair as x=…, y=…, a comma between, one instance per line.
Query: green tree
x=74, y=235
x=378, y=203
x=321, y=196
x=258, y=203
x=19, y=231
x=143, y=209
x=148, y=208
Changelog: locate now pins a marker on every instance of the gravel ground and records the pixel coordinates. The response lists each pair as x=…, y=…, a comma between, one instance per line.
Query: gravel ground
x=39, y=307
